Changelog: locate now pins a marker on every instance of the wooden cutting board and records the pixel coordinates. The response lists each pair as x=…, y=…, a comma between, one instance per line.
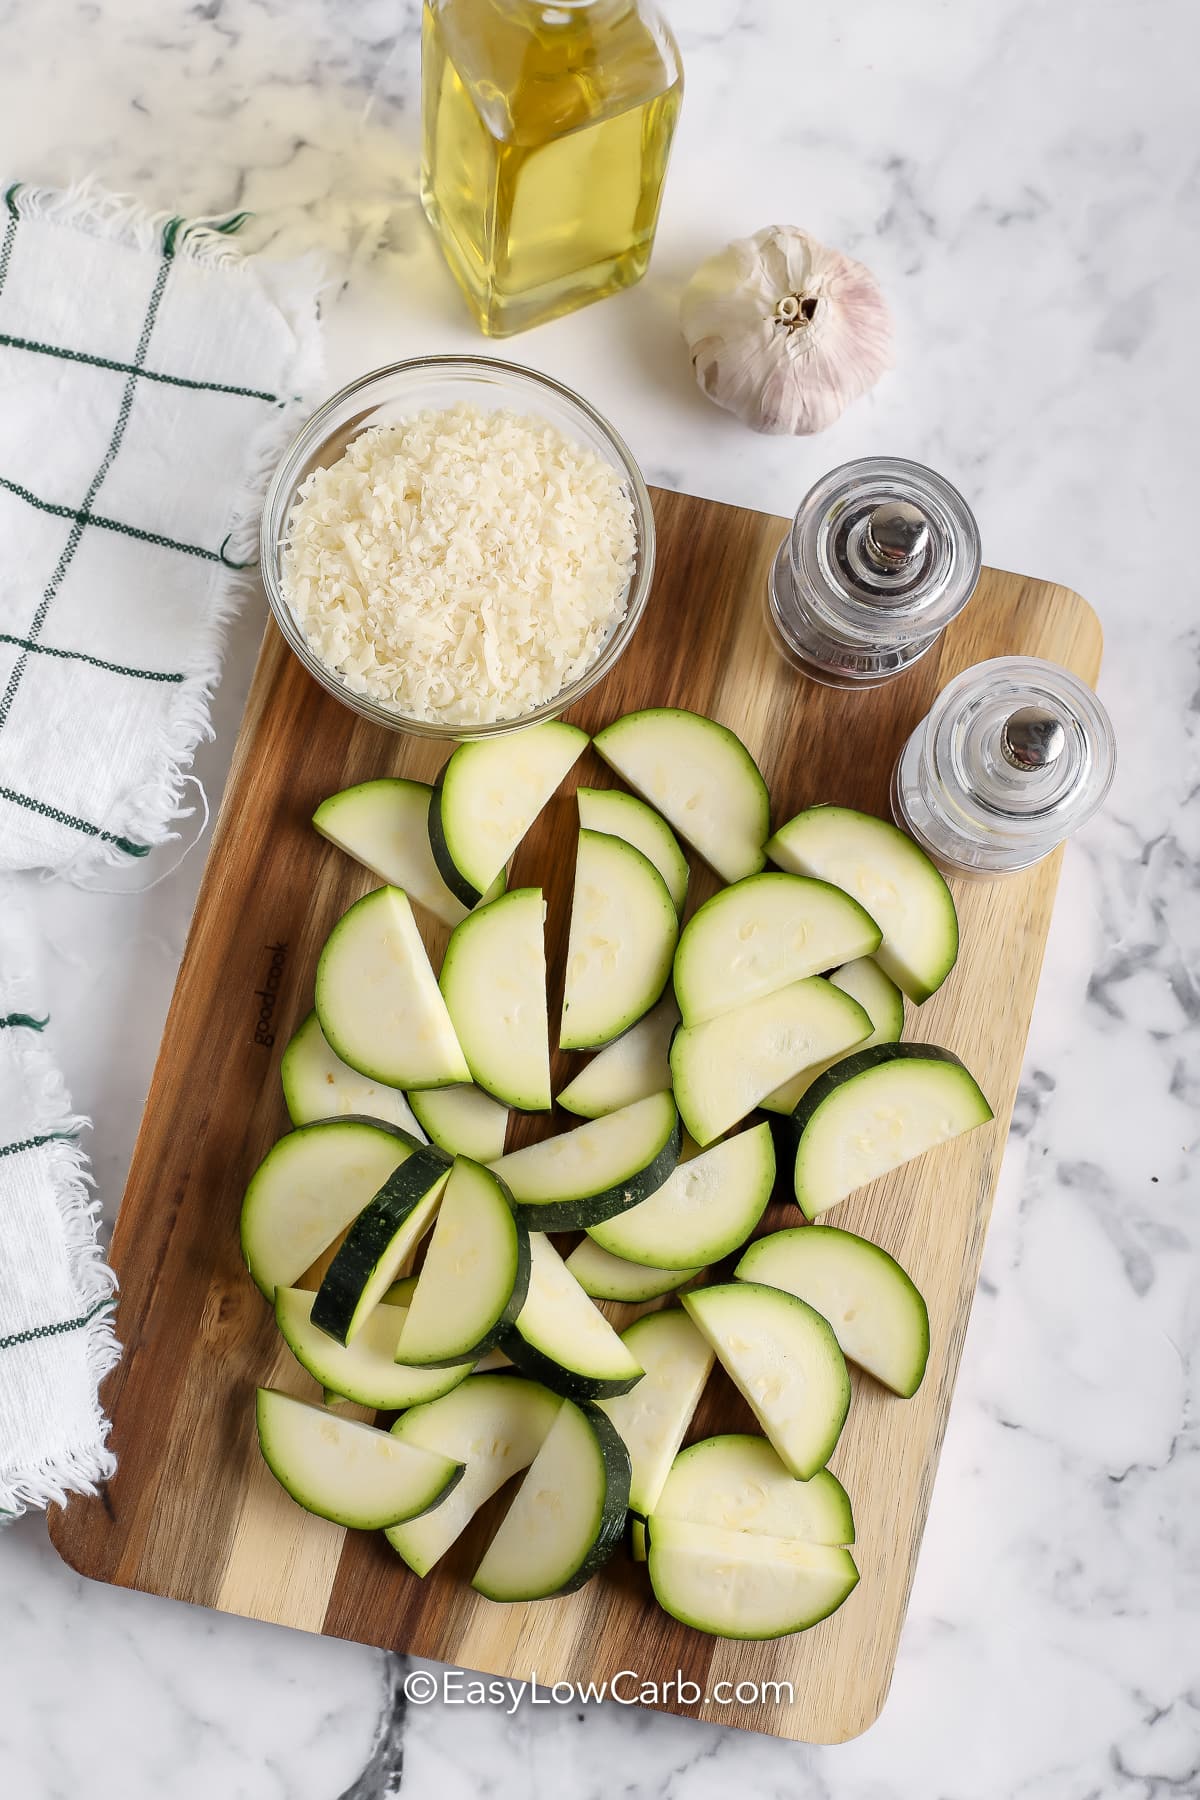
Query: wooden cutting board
x=192, y=1512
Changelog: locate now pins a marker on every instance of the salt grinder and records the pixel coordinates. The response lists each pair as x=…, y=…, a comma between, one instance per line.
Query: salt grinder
x=881, y=555
x=1014, y=756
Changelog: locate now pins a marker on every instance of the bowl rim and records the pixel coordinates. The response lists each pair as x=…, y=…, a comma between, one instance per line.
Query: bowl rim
x=314, y=431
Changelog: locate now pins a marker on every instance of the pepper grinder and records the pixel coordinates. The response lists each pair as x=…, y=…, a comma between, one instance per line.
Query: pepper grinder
x=882, y=554
x=1014, y=756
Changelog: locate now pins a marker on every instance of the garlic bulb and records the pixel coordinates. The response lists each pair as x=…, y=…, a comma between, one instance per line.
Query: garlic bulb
x=785, y=332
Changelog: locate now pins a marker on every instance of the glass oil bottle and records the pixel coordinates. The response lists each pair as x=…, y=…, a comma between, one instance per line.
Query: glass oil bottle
x=547, y=129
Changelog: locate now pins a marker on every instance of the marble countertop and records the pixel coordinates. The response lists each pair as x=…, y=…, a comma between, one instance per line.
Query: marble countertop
x=1024, y=180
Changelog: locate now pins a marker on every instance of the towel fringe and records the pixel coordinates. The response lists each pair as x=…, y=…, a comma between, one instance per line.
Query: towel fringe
x=86, y=206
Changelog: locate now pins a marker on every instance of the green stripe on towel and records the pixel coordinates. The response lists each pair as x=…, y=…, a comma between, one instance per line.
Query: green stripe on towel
x=63, y=818
x=35, y=1143
x=121, y=368
x=97, y=662
x=80, y=517
x=94, y=486
x=57, y=1330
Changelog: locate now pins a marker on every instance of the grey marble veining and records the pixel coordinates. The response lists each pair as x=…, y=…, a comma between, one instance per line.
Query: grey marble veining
x=1025, y=180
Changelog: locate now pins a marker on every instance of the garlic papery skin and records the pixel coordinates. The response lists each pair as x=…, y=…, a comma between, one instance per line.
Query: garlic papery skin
x=785, y=332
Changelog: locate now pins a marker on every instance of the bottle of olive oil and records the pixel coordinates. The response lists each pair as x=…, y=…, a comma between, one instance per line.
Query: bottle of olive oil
x=547, y=129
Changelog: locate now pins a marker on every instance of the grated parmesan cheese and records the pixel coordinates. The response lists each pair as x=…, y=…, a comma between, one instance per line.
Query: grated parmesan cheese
x=460, y=566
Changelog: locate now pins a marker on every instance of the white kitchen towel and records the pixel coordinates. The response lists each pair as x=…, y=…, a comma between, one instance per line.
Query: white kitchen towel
x=149, y=375
x=56, y=1294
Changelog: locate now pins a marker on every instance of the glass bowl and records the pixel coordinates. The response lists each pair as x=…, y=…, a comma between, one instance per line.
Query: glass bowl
x=391, y=394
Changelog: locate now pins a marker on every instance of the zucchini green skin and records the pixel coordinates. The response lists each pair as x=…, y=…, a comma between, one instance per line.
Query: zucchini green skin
x=496, y=1069
x=658, y=1540
x=305, y=1047
x=705, y=940
x=382, y=1384
x=757, y=1265
x=253, y=1200
x=626, y=1237
x=265, y=1405
x=427, y=1113
x=618, y=1470
x=881, y=998
x=369, y=1238
x=396, y=1131
x=610, y=1526
x=603, y=1276
x=791, y=848
x=570, y=1383
x=460, y=768
x=592, y=1209
x=521, y=1269
x=614, y=866
x=848, y=1069
x=726, y=1452
x=447, y=868
x=832, y=1384
x=857, y=1063
x=755, y=801
x=627, y=816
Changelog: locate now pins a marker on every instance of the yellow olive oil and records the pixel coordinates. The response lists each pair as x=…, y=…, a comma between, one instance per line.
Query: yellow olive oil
x=547, y=130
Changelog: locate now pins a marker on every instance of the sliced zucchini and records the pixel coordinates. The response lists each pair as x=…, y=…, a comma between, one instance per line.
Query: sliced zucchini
x=739, y=1483
x=462, y=1121
x=595, y=1170
x=568, y=1514
x=724, y=1068
x=637, y=1537
x=877, y=994
x=762, y=934
x=319, y=1085
x=345, y=1471
x=705, y=1208
x=384, y=825
x=883, y=1004
x=878, y=1315
x=784, y=1360
x=608, y=1277
x=738, y=1584
x=562, y=1339
x=475, y=1275
x=654, y=1416
x=888, y=874
x=624, y=929
x=487, y=797
x=401, y=1292
x=378, y=1000
x=701, y=777
x=494, y=981
x=631, y=1068
x=365, y=1371
x=308, y=1188
x=493, y=1361
x=495, y=1425
x=874, y=1111
x=625, y=816
x=376, y=1246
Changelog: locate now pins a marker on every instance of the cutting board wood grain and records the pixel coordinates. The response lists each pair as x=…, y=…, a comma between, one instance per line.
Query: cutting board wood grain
x=192, y=1512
